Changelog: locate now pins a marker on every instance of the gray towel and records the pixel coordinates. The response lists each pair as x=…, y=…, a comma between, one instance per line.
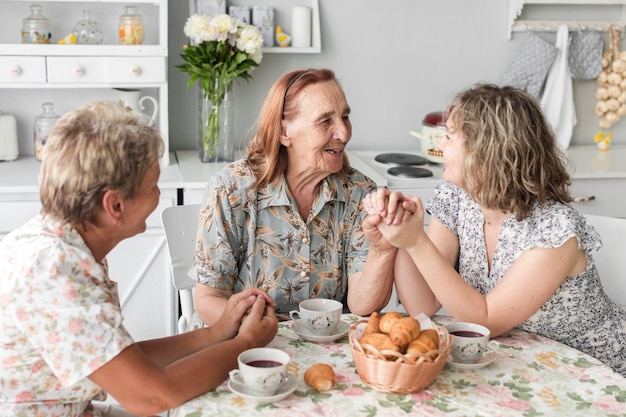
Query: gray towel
x=530, y=65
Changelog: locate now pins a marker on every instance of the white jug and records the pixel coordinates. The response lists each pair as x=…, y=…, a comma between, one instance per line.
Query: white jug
x=133, y=100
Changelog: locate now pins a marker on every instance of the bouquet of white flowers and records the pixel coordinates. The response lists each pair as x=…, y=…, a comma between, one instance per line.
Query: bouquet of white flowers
x=220, y=49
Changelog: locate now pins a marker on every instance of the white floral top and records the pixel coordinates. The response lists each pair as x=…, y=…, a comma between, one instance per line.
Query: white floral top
x=579, y=314
x=60, y=321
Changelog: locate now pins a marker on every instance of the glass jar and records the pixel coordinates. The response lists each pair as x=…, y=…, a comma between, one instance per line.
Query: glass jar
x=131, y=27
x=43, y=124
x=36, y=27
x=88, y=31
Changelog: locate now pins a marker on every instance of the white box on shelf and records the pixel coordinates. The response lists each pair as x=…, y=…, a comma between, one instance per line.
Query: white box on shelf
x=263, y=18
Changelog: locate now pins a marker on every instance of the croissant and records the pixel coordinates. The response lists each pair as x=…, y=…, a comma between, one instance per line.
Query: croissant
x=404, y=330
x=380, y=341
x=320, y=376
x=387, y=320
x=373, y=323
x=423, y=344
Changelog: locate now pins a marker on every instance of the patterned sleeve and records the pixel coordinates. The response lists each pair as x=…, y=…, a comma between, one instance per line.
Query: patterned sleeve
x=552, y=226
x=215, y=264
x=358, y=246
x=69, y=310
x=444, y=205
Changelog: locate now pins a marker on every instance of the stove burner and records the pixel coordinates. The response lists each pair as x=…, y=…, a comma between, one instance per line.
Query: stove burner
x=407, y=171
x=401, y=159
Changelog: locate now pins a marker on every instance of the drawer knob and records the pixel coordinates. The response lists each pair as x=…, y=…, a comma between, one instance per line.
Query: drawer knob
x=79, y=71
x=135, y=70
x=584, y=199
x=16, y=71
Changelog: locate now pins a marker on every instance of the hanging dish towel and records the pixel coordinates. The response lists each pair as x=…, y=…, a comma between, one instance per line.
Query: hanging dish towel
x=530, y=65
x=557, y=100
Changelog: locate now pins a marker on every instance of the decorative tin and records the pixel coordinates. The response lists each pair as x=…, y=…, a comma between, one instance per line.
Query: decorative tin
x=263, y=19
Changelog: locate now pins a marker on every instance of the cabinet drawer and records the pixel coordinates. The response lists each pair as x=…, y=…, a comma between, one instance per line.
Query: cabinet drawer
x=608, y=196
x=137, y=70
x=22, y=69
x=75, y=69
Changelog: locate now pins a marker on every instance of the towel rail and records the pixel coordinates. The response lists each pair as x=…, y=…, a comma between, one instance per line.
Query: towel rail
x=517, y=25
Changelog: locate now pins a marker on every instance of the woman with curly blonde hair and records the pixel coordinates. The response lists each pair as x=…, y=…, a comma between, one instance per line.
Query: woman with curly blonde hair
x=504, y=248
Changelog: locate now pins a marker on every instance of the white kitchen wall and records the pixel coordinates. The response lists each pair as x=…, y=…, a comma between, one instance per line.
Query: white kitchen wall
x=397, y=60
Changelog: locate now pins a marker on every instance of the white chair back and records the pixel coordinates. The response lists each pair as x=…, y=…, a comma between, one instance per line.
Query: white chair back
x=611, y=258
x=180, y=224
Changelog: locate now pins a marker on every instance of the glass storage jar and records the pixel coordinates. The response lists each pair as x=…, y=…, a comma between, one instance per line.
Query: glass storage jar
x=131, y=27
x=43, y=124
x=87, y=30
x=36, y=27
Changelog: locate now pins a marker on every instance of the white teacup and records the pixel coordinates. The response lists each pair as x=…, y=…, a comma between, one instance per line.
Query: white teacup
x=261, y=370
x=320, y=316
x=469, y=342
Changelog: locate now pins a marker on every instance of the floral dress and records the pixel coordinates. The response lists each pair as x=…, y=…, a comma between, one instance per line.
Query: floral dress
x=61, y=321
x=579, y=314
x=256, y=238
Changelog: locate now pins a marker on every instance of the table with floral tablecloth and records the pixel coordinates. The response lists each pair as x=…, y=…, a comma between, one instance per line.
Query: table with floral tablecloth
x=531, y=376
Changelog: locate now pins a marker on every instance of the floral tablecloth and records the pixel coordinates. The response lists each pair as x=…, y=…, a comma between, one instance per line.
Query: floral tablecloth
x=531, y=376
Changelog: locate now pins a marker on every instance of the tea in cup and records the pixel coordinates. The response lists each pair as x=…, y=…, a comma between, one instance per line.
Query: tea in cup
x=261, y=370
x=469, y=342
x=320, y=316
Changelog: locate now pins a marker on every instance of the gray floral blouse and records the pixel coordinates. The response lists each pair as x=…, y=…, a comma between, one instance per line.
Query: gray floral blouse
x=579, y=314
x=250, y=237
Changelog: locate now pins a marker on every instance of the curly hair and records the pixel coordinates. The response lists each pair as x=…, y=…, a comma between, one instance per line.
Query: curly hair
x=267, y=157
x=513, y=160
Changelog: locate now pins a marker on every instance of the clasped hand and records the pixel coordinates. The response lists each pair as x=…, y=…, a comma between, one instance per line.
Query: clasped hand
x=394, y=219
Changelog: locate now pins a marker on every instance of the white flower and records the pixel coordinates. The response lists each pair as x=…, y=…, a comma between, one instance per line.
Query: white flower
x=195, y=26
x=225, y=25
x=250, y=40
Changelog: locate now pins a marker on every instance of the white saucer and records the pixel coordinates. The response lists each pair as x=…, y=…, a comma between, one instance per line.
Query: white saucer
x=488, y=357
x=304, y=333
x=284, y=391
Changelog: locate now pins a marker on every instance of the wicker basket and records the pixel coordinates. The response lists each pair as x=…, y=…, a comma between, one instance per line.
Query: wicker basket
x=405, y=374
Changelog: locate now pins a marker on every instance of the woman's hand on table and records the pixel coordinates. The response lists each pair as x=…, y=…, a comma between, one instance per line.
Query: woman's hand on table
x=251, y=302
x=260, y=324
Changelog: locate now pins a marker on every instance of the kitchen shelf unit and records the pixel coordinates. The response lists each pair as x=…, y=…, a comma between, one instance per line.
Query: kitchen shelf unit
x=282, y=17
x=63, y=70
x=517, y=25
x=70, y=75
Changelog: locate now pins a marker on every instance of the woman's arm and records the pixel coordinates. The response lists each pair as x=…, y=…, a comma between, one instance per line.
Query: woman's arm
x=210, y=303
x=527, y=285
x=153, y=376
x=370, y=289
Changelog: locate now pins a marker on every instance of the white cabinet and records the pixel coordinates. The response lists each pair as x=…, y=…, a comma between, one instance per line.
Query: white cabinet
x=599, y=180
x=140, y=265
x=70, y=75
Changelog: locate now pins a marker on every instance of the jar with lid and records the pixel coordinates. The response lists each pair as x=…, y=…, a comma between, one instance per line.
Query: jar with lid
x=43, y=124
x=131, y=27
x=36, y=27
x=87, y=30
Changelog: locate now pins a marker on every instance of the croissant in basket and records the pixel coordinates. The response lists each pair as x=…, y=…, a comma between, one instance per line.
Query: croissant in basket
x=404, y=330
x=387, y=320
x=427, y=341
x=320, y=376
x=380, y=342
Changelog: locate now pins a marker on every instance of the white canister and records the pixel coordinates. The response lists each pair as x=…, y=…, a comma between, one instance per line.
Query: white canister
x=301, y=27
x=8, y=137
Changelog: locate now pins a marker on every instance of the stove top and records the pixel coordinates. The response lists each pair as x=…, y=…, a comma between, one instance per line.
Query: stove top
x=366, y=161
x=401, y=159
x=409, y=171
